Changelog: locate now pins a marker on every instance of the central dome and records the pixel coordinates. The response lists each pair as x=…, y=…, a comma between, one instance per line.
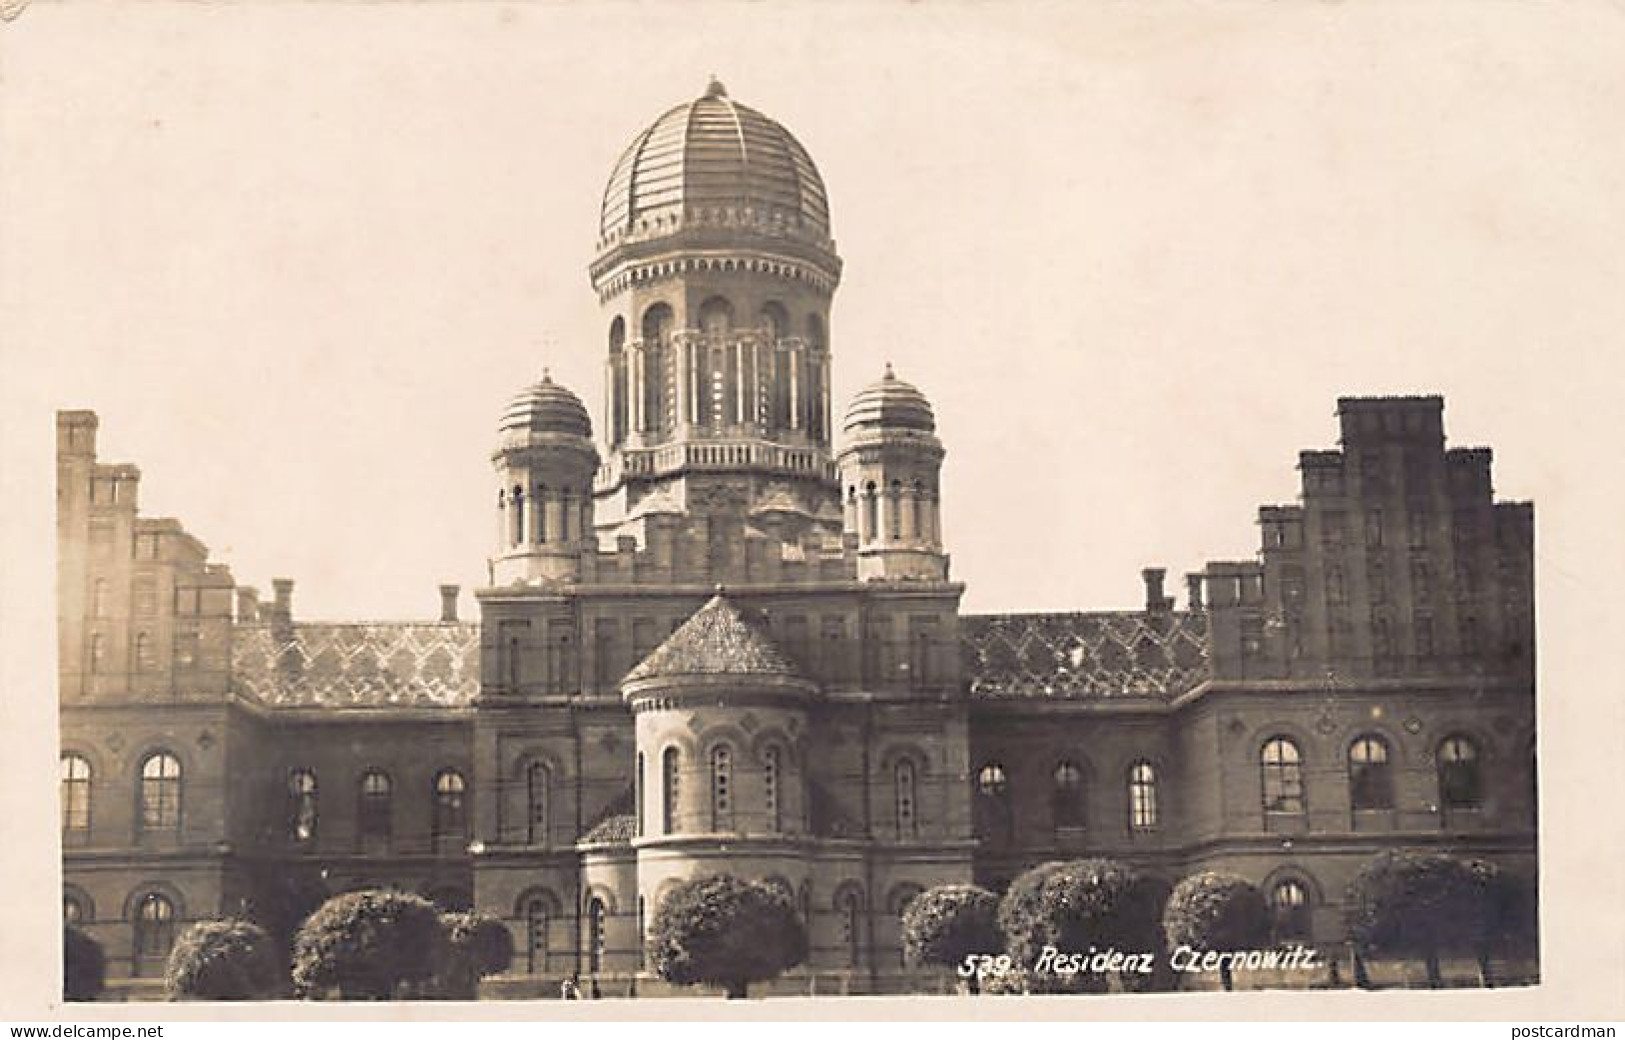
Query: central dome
x=715, y=158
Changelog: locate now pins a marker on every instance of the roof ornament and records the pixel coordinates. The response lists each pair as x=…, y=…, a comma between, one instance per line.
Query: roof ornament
x=547, y=375
x=715, y=88
x=889, y=373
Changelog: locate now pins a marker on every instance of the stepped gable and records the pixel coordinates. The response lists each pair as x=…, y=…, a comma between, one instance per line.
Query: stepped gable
x=716, y=640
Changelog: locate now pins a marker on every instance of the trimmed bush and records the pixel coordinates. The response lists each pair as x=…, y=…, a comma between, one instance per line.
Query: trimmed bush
x=1416, y=904
x=1218, y=912
x=944, y=925
x=224, y=960
x=477, y=945
x=726, y=932
x=84, y=966
x=1073, y=906
x=370, y=945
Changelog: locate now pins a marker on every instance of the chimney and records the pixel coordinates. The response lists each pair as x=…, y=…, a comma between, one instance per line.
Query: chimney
x=448, y=602
x=284, y=597
x=248, y=603
x=1155, y=601
x=1193, y=582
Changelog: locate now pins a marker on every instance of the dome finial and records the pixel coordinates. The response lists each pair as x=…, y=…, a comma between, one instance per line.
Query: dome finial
x=547, y=374
x=715, y=87
x=889, y=373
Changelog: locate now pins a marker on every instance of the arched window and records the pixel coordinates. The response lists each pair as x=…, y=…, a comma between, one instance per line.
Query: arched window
x=145, y=660
x=154, y=933
x=849, y=907
x=1289, y=905
x=75, y=795
x=1371, y=777
x=895, y=508
x=375, y=810
x=160, y=793
x=538, y=917
x=774, y=320
x=302, y=807
x=448, y=821
x=98, y=653
x=1066, y=797
x=991, y=781
x=617, y=334
x=1281, y=767
x=73, y=908
x=904, y=791
x=722, y=801
x=98, y=598
x=871, y=513
x=1460, y=780
x=516, y=514
x=772, y=766
x=716, y=316
x=991, y=811
x=668, y=790
x=1142, y=797
x=656, y=323
x=537, y=783
x=596, y=915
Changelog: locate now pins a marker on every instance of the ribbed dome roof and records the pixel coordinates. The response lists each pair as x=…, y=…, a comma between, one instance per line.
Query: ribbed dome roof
x=890, y=404
x=715, y=153
x=547, y=407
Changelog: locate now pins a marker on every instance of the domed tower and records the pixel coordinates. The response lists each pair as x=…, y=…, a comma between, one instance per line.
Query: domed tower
x=716, y=270
x=721, y=717
x=544, y=465
x=890, y=465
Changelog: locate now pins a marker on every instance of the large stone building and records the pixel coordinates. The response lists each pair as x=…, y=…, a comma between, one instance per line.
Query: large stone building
x=726, y=639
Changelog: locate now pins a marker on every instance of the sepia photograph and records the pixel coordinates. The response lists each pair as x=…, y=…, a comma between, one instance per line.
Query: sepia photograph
x=656, y=504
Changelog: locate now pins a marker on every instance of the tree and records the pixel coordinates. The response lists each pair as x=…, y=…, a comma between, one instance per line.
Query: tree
x=1218, y=912
x=1507, y=918
x=1074, y=905
x=84, y=966
x=944, y=925
x=282, y=899
x=725, y=931
x=477, y=945
x=224, y=960
x=1419, y=904
x=369, y=945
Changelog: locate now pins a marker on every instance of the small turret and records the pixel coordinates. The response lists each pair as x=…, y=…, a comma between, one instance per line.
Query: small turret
x=890, y=465
x=545, y=465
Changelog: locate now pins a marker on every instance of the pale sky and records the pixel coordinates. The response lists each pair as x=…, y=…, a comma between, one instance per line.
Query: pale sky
x=298, y=256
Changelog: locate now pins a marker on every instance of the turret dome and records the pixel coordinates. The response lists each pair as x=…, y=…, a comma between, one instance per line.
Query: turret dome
x=890, y=404
x=546, y=407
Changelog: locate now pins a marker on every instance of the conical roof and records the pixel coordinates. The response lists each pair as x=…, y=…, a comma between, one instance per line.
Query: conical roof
x=716, y=641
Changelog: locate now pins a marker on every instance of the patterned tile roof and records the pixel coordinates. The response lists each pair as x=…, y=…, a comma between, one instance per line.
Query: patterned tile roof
x=357, y=665
x=1074, y=656
x=619, y=829
x=715, y=640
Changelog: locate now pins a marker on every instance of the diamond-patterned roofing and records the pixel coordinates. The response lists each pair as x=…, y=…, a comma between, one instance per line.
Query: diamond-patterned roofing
x=1084, y=655
x=716, y=640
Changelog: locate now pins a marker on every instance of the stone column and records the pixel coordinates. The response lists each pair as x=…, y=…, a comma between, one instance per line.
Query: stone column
x=555, y=518
x=793, y=357
x=680, y=381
